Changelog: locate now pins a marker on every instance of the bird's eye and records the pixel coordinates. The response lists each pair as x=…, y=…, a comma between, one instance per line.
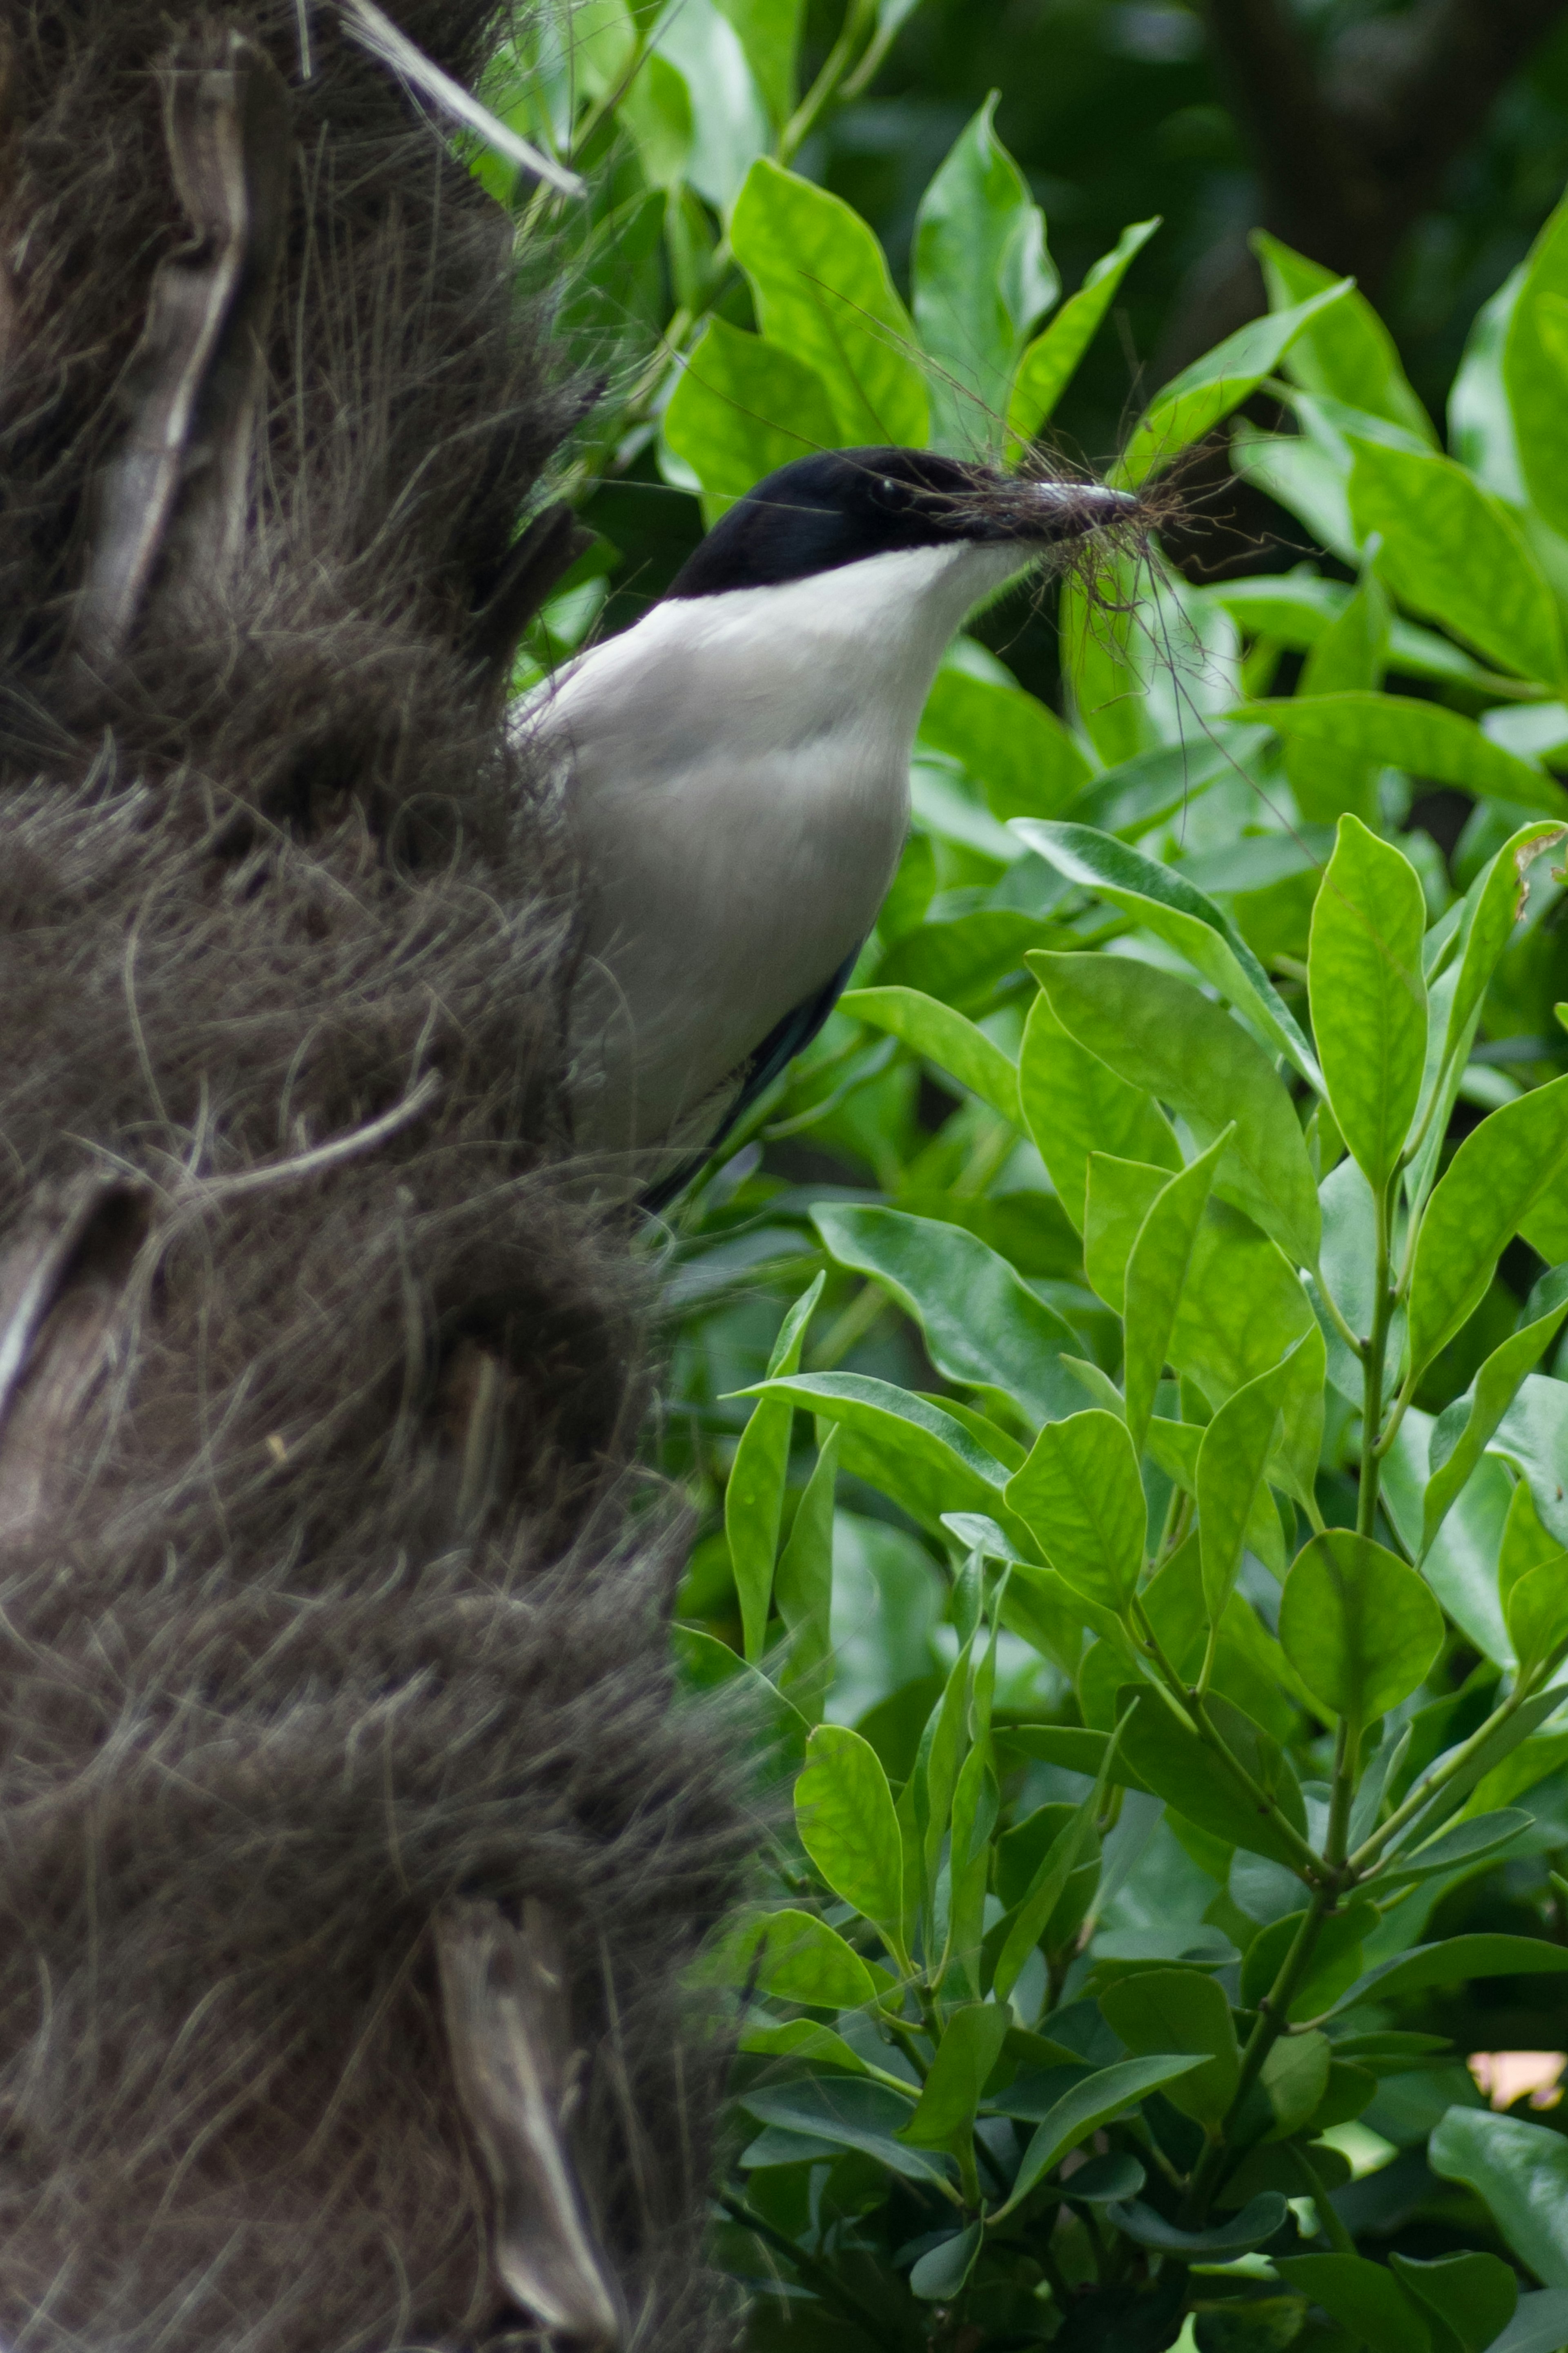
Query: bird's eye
x=890, y=488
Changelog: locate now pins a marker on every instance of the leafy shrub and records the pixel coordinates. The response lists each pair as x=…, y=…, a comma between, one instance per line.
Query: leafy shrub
x=1117, y=1366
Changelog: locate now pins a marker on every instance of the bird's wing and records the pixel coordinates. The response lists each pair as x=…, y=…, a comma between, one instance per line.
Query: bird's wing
x=783, y=1042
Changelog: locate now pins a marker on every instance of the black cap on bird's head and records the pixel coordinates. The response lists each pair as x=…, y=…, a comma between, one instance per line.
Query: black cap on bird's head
x=823, y=512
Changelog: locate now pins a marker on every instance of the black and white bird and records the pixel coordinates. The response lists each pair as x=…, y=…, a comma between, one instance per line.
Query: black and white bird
x=737, y=773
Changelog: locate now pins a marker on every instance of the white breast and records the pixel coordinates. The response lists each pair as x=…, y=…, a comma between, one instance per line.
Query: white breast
x=738, y=774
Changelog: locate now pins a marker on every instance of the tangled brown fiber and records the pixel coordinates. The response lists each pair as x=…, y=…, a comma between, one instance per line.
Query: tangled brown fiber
x=329, y=1609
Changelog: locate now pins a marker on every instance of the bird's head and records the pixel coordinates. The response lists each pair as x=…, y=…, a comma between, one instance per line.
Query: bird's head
x=848, y=507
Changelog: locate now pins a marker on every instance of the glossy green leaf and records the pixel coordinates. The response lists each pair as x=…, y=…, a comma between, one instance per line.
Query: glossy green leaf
x=984, y=1326
x=1520, y=2172
x=1466, y=1427
x=1081, y=1492
x=1422, y=737
x=657, y=112
x=1048, y=367
x=1456, y=556
x=1155, y=1278
x=981, y=278
x=1347, y=352
x=1350, y=654
x=1535, y=376
x=943, y=1037
x=1485, y=1195
x=1180, y=2010
x=1167, y=1757
x=1233, y=1462
x=1120, y=1195
x=923, y=1458
x=1158, y=1034
x=971, y=2045
x=1474, y=2295
x=1258, y=2220
x=1108, y=2093
x=769, y=36
x=1205, y=394
x=1242, y=1311
x=1163, y=898
x=754, y=1498
x=1539, y=2324
x=1074, y=1104
x=1453, y=1850
x=1037, y=1906
x=803, y=1589
x=1532, y=1574
x=741, y=409
x=1360, y=1629
x=1011, y=742
x=848, y=2114
x=730, y=123
x=1365, y=2299
x=1453, y=1962
x=962, y=959
x=844, y=1812
x=1368, y=995
x=820, y=284
x=707, y=1664
x=805, y=2039
x=1533, y=1436
x=940, y=2274
x=1295, y=2077
x=794, y=1957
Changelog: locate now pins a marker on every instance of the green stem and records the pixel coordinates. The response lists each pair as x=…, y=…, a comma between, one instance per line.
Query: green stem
x=1367, y=1855
x=858, y=18
x=1329, y=2222
x=1356, y=1347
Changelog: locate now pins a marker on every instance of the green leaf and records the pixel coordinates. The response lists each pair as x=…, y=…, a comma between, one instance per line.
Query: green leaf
x=1167, y=1757
x=1257, y=2220
x=1521, y=2171
x=1466, y=1427
x=970, y=2047
x=769, y=36
x=984, y=1326
x=943, y=1037
x=1048, y=367
x=794, y=1957
x=981, y=275
x=1335, y=1963
x=1453, y=1962
x=1156, y=1032
x=960, y=961
x=1012, y=743
x=1422, y=737
x=1533, y=1436
x=754, y=1498
x=1168, y=904
x=1352, y=653
x=1538, y=2325
x=820, y=284
x=803, y=1589
x=1156, y=1277
x=1368, y=995
x=741, y=409
x=708, y=1664
x=1453, y=1850
x=940, y=2274
x=1108, y=2093
x=1347, y=353
x=1120, y=1196
x=1456, y=556
x=1242, y=1310
x=1533, y=372
x=730, y=123
x=1532, y=1576
x=1037, y=1906
x=911, y=1449
x=1295, y=2077
x=1198, y=399
x=657, y=112
x=1180, y=2010
x=1363, y=2298
x=1499, y=1173
x=844, y=1812
x=1081, y=1492
x=1474, y=2295
x=1233, y=1461
x=1360, y=1629
x=850, y=2113
x=804, y=2038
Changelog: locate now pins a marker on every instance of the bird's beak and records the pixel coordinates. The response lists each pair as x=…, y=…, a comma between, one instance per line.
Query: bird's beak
x=1055, y=511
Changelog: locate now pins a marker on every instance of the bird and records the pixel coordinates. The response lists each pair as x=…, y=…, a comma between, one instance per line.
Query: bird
x=734, y=771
